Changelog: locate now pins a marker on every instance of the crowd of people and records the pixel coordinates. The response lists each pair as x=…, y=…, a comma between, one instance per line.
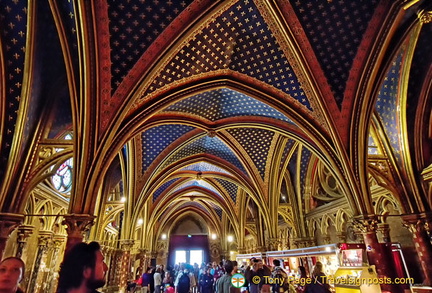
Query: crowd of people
x=182, y=278
x=83, y=270
x=216, y=278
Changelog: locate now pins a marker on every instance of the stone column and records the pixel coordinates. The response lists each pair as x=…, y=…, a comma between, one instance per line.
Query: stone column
x=148, y=259
x=141, y=265
x=109, y=254
x=77, y=225
x=52, y=277
x=44, y=239
x=418, y=227
x=8, y=222
x=24, y=231
x=378, y=254
x=126, y=246
x=113, y=276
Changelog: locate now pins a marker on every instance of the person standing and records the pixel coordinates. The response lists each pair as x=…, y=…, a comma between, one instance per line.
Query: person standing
x=157, y=277
x=206, y=281
x=167, y=280
x=145, y=281
x=11, y=273
x=223, y=284
x=83, y=269
x=303, y=277
x=279, y=274
x=319, y=281
x=182, y=283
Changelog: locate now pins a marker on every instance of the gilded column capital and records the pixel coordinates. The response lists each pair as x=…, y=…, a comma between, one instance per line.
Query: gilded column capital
x=127, y=244
x=366, y=225
x=417, y=222
x=24, y=232
x=273, y=243
x=78, y=224
x=58, y=240
x=427, y=173
x=45, y=238
x=142, y=251
x=425, y=16
x=304, y=242
x=8, y=222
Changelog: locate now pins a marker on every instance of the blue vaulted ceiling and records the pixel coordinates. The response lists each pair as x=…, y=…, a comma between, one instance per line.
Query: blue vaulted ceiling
x=134, y=27
x=13, y=23
x=388, y=103
x=206, y=145
x=335, y=30
x=225, y=103
x=240, y=89
x=158, y=138
x=239, y=38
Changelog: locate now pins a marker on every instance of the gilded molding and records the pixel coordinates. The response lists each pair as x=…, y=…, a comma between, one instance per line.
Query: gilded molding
x=425, y=16
x=427, y=173
x=366, y=225
x=78, y=224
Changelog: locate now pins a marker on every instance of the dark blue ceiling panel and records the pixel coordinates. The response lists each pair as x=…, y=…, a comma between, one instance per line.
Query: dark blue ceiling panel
x=304, y=164
x=421, y=62
x=225, y=103
x=207, y=145
x=256, y=142
x=292, y=166
x=335, y=30
x=217, y=209
x=288, y=147
x=67, y=11
x=13, y=30
x=134, y=27
x=230, y=188
x=158, y=138
x=387, y=104
x=239, y=40
x=163, y=187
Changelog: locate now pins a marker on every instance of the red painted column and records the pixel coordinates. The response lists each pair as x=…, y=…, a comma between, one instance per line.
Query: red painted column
x=379, y=254
x=422, y=244
x=126, y=246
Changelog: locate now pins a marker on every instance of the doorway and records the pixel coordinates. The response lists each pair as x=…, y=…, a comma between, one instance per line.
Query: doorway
x=189, y=256
x=188, y=249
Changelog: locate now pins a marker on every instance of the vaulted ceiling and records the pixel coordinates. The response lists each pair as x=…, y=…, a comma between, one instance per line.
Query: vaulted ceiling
x=211, y=106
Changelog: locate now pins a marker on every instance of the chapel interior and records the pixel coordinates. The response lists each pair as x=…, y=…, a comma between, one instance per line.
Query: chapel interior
x=238, y=126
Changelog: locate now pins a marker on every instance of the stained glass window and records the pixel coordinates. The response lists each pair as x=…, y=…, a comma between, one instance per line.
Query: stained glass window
x=62, y=179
